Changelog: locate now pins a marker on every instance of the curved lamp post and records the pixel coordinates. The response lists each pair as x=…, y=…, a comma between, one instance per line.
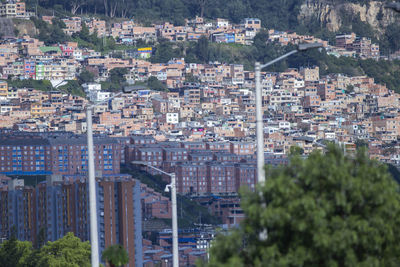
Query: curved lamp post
x=172, y=186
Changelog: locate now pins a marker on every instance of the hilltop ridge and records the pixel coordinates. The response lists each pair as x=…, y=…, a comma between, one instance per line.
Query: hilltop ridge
x=273, y=13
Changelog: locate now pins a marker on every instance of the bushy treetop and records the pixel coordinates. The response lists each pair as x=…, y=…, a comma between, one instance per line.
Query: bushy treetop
x=326, y=210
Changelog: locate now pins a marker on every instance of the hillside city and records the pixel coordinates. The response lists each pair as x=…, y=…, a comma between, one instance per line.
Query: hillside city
x=201, y=125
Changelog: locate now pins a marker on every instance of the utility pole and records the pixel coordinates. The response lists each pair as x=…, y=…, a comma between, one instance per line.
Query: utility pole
x=172, y=186
x=94, y=239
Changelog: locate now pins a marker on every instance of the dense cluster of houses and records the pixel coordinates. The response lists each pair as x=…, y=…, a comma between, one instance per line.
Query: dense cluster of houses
x=219, y=30
x=29, y=58
x=302, y=107
x=202, y=128
x=347, y=45
x=128, y=32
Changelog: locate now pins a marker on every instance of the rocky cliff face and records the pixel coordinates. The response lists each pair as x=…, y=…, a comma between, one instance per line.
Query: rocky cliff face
x=329, y=13
x=6, y=27
x=24, y=27
x=16, y=27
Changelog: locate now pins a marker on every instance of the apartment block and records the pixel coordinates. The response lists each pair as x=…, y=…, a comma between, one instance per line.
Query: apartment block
x=252, y=23
x=98, y=26
x=221, y=177
x=192, y=96
x=13, y=9
x=57, y=154
x=345, y=40
x=326, y=91
x=60, y=205
x=73, y=25
x=192, y=178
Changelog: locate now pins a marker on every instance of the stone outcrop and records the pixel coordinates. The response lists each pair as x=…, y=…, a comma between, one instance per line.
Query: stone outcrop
x=6, y=27
x=329, y=13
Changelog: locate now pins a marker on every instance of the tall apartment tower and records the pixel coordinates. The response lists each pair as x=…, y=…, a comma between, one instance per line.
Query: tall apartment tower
x=61, y=205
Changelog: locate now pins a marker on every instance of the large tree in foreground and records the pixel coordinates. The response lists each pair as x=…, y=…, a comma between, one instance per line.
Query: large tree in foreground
x=68, y=251
x=14, y=253
x=115, y=255
x=326, y=210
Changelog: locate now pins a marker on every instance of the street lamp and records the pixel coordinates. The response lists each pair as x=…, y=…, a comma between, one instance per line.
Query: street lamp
x=94, y=242
x=394, y=5
x=172, y=186
x=259, y=113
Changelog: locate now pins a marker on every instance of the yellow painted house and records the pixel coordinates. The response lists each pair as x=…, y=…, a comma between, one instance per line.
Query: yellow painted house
x=36, y=109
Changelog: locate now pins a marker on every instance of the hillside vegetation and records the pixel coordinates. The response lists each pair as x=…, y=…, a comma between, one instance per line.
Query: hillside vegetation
x=273, y=13
x=281, y=15
x=364, y=17
x=385, y=72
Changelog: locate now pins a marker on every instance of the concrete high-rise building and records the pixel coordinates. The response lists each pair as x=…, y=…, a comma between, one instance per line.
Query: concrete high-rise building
x=61, y=205
x=56, y=154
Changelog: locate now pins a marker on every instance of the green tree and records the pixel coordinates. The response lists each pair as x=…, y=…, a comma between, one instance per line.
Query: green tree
x=260, y=40
x=72, y=87
x=43, y=85
x=326, y=210
x=68, y=251
x=86, y=76
x=41, y=238
x=117, y=78
x=110, y=43
x=165, y=51
x=154, y=84
x=349, y=89
x=202, y=49
x=14, y=253
x=391, y=40
x=50, y=34
x=84, y=34
x=190, y=78
x=296, y=150
x=361, y=143
x=115, y=255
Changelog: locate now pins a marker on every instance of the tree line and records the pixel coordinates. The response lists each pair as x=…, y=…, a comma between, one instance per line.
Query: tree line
x=66, y=251
x=280, y=15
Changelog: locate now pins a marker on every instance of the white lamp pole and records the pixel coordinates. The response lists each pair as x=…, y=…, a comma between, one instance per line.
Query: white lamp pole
x=175, y=248
x=94, y=238
x=259, y=126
